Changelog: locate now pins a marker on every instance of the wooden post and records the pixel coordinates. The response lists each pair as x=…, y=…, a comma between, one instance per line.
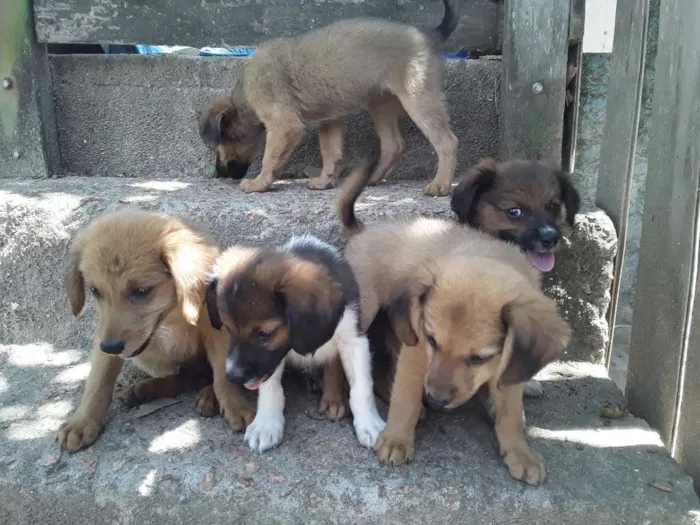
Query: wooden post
x=535, y=45
x=27, y=132
x=620, y=133
x=663, y=384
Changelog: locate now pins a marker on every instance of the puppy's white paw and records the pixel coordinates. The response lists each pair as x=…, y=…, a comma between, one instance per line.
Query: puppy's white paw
x=533, y=388
x=368, y=428
x=265, y=432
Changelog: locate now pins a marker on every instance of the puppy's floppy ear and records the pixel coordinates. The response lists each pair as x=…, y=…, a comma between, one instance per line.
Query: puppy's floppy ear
x=74, y=281
x=405, y=311
x=314, y=305
x=468, y=191
x=212, y=306
x=215, y=122
x=536, y=333
x=188, y=255
x=569, y=196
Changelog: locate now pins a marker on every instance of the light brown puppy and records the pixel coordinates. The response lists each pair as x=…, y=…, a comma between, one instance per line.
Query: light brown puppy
x=146, y=272
x=320, y=77
x=468, y=311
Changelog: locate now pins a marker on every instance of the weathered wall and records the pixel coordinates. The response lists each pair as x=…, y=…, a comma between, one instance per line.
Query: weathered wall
x=130, y=115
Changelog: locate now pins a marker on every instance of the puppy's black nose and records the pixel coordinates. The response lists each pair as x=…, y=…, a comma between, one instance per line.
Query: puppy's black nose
x=438, y=400
x=112, y=347
x=549, y=237
x=234, y=373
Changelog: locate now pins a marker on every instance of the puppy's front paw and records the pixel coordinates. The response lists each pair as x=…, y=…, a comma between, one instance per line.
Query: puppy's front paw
x=333, y=408
x=78, y=432
x=526, y=465
x=254, y=185
x=394, y=449
x=238, y=413
x=207, y=405
x=322, y=182
x=533, y=388
x=436, y=189
x=367, y=429
x=265, y=432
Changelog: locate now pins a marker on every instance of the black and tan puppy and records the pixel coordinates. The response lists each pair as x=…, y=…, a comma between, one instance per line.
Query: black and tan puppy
x=532, y=204
x=469, y=313
x=297, y=305
x=320, y=77
x=146, y=272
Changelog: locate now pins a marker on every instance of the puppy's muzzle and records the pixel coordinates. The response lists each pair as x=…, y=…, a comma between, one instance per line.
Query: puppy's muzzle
x=231, y=169
x=112, y=347
x=547, y=238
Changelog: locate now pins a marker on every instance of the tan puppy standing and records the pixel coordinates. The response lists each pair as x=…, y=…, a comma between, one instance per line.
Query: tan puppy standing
x=468, y=311
x=320, y=77
x=146, y=272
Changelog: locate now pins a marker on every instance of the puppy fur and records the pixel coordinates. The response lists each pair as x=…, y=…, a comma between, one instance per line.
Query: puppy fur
x=468, y=311
x=294, y=305
x=146, y=273
x=321, y=76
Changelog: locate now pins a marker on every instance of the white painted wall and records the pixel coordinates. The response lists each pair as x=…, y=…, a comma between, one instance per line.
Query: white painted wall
x=600, y=26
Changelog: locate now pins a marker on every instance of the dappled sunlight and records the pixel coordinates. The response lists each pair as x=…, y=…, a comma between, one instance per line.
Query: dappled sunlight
x=160, y=185
x=14, y=412
x=135, y=199
x=24, y=430
x=73, y=374
x=601, y=437
x=40, y=354
x=55, y=409
x=148, y=484
x=185, y=436
x=568, y=370
x=3, y=384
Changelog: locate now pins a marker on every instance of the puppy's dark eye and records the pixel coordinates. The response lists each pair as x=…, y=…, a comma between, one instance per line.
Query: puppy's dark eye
x=554, y=208
x=432, y=342
x=95, y=292
x=265, y=336
x=477, y=359
x=138, y=294
x=516, y=213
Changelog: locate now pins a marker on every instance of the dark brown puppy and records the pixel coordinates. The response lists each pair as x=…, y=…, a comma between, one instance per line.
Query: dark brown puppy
x=532, y=204
x=321, y=76
x=298, y=305
x=146, y=272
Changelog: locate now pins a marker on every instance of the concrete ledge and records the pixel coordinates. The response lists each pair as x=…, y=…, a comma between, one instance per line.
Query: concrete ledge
x=136, y=115
x=173, y=467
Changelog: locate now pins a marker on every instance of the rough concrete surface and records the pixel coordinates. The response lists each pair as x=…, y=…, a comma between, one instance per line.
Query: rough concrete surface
x=136, y=115
x=40, y=217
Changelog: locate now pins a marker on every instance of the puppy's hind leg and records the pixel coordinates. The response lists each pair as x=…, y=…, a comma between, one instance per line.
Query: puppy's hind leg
x=386, y=113
x=353, y=349
x=429, y=113
x=330, y=138
x=192, y=377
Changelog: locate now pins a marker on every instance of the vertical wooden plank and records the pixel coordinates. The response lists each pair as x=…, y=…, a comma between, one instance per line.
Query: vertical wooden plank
x=28, y=147
x=659, y=384
x=535, y=44
x=620, y=131
x=686, y=443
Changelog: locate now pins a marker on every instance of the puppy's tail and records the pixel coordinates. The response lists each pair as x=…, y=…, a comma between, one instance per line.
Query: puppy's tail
x=450, y=20
x=351, y=190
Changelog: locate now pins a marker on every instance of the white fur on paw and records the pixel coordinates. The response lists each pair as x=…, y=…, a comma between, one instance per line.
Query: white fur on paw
x=265, y=432
x=368, y=428
x=533, y=388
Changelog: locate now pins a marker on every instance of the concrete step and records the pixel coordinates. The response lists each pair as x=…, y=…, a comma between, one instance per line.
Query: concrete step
x=173, y=467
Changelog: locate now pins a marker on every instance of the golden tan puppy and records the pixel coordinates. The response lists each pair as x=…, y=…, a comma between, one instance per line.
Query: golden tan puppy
x=320, y=77
x=146, y=272
x=296, y=305
x=468, y=311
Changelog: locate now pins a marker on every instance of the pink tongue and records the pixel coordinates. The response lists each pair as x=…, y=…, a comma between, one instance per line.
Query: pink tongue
x=544, y=262
x=254, y=385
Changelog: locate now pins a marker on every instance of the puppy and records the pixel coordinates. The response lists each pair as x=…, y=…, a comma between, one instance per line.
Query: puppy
x=321, y=76
x=146, y=273
x=529, y=203
x=468, y=311
x=297, y=305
